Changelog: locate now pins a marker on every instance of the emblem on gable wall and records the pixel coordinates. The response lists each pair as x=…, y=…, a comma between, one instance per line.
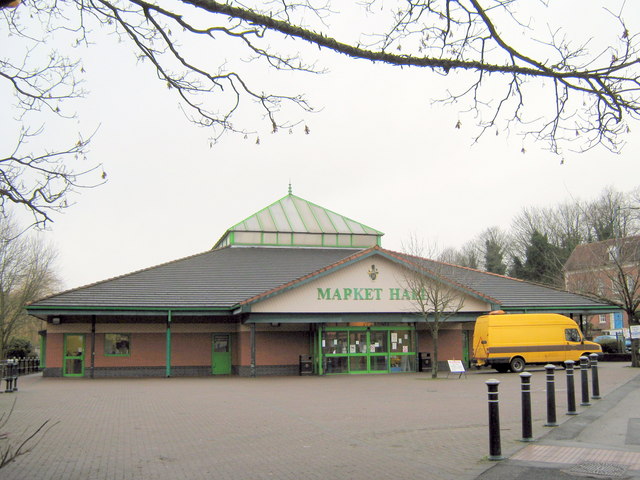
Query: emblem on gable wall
x=373, y=272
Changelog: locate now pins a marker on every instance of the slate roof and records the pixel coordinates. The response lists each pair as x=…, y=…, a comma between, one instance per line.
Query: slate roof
x=509, y=293
x=219, y=278
x=230, y=276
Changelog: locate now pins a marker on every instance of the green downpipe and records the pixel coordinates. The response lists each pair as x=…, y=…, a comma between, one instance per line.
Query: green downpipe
x=320, y=372
x=43, y=351
x=168, y=355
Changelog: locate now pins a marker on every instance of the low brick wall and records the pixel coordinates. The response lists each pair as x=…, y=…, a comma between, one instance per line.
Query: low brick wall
x=136, y=372
x=267, y=370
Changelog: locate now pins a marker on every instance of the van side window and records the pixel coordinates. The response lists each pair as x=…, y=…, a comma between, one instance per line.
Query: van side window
x=572, y=335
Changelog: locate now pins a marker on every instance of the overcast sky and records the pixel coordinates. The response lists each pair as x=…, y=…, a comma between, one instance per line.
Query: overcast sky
x=378, y=152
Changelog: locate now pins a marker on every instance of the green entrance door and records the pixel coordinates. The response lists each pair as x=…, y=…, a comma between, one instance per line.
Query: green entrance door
x=358, y=361
x=221, y=354
x=378, y=351
x=374, y=349
x=73, y=361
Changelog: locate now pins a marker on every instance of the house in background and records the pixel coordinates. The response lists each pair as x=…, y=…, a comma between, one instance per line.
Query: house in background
x=294, y=285
x=608, y=271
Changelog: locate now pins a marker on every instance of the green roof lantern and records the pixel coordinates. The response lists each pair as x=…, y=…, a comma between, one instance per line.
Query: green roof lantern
x=293, y=221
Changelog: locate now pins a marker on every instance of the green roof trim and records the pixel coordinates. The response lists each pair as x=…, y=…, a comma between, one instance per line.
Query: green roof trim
x=133, y=309
x=596, y=309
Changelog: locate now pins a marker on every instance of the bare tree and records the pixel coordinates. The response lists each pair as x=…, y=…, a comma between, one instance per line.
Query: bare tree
x=26, y=273
x=564, y=227
x=41, y=182
x=34, y=177
x=435, y=298
x=609, y=271
x=612, y=215
x=505, y=55
x=466, y=256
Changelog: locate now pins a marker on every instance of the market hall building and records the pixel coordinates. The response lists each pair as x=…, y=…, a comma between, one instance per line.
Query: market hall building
x=294, y=282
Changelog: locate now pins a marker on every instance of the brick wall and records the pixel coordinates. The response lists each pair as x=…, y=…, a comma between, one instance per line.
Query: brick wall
x=449, y=344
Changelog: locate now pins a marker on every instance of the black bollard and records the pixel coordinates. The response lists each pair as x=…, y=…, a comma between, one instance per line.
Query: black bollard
x=551, y=397
x=9, y=377
x=495, y=451
x=16, y=374
x=15, y=381
x=571, y=390
x=595, y=382
x=584, y=374
x=527, y=431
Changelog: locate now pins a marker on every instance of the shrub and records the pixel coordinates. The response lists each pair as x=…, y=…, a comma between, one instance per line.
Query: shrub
x=19, y=348
x=610, y=345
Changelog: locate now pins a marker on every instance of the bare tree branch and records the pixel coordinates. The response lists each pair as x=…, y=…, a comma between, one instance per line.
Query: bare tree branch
x=591, y=91
x=433, y=295
x=41, y=182
x=13, y=448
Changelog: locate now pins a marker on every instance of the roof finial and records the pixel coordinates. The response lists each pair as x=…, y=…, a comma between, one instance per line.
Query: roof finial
x=290, y=191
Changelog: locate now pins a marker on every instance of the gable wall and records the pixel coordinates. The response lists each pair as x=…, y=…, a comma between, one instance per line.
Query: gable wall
x=351, y=290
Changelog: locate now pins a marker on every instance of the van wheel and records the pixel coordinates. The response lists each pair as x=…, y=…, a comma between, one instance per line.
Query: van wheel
x=517, y=365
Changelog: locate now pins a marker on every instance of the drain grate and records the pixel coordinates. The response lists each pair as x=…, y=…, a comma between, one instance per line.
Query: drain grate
x=600, y=469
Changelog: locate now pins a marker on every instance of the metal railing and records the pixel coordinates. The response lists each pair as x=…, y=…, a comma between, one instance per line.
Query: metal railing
x=19, y=366
x=12, y=368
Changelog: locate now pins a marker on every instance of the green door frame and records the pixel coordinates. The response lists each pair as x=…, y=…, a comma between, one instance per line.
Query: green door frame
x=43, y=350
x=466, y=335
x=66, y=356
x=352, y=353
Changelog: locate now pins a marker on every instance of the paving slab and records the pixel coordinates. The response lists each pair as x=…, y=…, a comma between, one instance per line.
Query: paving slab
x=602, y=442
x=331, y=427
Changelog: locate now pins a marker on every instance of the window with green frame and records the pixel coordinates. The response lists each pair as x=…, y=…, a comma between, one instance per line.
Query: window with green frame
x=117, y=344
x=368, y=350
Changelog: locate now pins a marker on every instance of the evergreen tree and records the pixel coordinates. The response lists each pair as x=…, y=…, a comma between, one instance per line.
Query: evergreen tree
x=541, y=263
x=494, y=258
x=517, y=268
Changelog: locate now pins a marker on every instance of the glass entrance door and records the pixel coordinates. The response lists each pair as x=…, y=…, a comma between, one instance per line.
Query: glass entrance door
x=378, y=351
x=368, y=349
x=358, y=352
x=73, y=361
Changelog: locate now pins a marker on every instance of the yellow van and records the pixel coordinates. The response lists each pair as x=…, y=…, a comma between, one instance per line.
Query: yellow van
x=509, y=341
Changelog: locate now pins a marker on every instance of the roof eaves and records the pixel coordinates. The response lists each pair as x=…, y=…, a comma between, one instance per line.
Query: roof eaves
x=119, y=310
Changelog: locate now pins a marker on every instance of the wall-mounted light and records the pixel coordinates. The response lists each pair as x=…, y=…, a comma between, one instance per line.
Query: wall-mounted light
x=55, y=320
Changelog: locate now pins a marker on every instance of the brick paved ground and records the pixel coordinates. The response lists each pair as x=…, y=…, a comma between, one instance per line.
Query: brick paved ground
x=356, y=427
